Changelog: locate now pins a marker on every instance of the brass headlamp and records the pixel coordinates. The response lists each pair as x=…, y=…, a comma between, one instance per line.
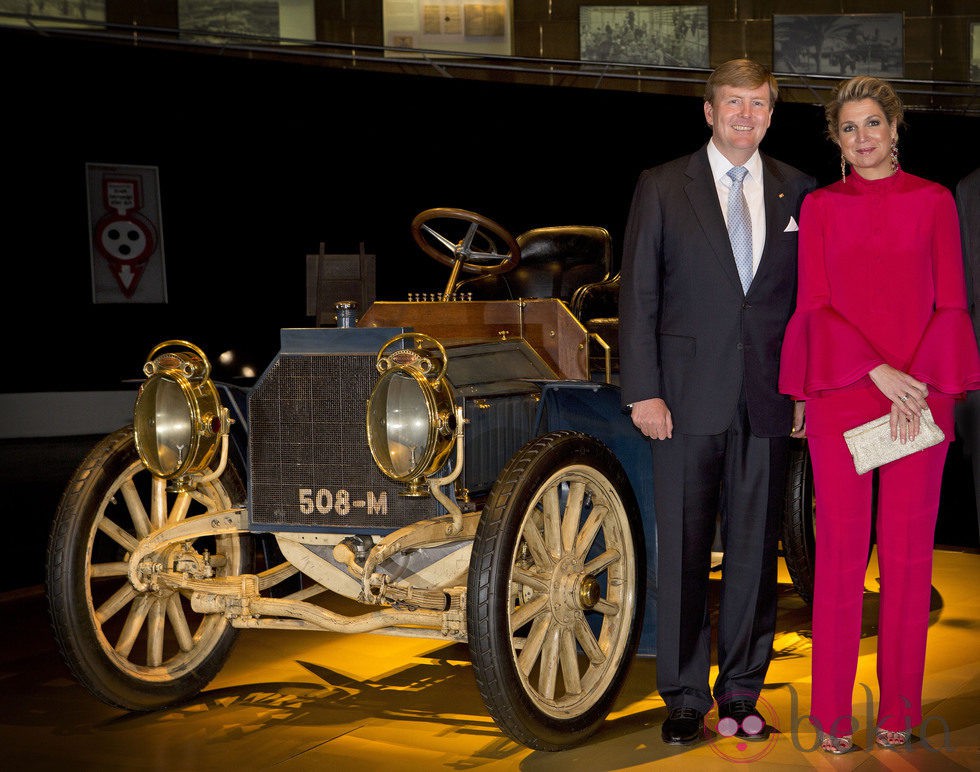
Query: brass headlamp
x=178, y=418
x=410, y=416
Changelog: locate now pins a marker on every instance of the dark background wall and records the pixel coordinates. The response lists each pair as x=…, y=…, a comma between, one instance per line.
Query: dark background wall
x=935, y=32
x=260, y=161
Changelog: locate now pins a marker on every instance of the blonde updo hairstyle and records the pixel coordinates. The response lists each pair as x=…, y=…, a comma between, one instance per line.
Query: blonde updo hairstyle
x=863, y=87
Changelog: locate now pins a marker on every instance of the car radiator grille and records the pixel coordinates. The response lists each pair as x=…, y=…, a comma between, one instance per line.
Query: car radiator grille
x=310, y=466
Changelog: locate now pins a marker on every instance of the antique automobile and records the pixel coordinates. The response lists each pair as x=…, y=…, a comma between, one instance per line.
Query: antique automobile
x=454, y=466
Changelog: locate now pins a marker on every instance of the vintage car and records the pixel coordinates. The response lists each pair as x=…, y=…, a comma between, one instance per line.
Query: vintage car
x=457, y=467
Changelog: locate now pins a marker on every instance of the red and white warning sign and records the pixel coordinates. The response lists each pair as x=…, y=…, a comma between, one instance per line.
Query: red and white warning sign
x=127, y=246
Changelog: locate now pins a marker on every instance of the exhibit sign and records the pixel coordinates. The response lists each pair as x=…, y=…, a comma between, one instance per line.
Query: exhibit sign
x=420, y=27
x=125, y=234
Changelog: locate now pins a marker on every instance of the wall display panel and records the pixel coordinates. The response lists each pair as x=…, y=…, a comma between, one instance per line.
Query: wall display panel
x=671, y=35
x=44, y=13
x=844, y=44
x=211, y=19
x=452, y=26
x=975, y=51
x=215, y=20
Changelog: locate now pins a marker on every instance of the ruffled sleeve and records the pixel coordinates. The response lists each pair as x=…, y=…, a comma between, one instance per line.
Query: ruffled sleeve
x=822, y=350
x=947, y=357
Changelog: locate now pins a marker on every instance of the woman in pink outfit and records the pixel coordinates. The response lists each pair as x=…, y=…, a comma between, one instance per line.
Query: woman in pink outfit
x=880, y=327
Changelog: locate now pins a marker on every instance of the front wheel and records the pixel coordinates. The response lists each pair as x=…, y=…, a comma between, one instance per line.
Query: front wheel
x=555, y=592
x=135, y=650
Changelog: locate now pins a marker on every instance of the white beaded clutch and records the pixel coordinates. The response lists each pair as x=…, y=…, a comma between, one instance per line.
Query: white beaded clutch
x=871, y=444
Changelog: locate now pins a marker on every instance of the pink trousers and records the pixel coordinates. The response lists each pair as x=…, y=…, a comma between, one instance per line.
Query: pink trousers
x=908, y=504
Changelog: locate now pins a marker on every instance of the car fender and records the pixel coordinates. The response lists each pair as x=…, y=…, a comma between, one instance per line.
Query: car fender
x=595, y=409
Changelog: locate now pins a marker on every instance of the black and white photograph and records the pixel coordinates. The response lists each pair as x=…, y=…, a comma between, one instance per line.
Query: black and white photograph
x=670, y=35
x=212, y=19
x=839, y=44
x=38, y=12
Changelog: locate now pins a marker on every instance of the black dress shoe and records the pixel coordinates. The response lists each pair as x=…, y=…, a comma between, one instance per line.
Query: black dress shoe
x=683, y=726
x=751, y=724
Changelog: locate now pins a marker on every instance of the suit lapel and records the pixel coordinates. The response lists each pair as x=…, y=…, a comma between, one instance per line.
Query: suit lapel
x=703, y=196
x=777, y=214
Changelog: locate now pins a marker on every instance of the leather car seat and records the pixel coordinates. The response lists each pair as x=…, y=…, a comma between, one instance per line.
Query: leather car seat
x=555, y=262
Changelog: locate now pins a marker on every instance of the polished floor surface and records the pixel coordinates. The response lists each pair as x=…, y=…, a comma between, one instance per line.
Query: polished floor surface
x=293, y=701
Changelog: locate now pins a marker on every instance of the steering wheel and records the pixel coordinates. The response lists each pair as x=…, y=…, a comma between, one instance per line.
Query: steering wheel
x=465, y=241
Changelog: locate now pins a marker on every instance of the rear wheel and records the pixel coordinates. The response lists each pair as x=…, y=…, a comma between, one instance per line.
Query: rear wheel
x=135, y=650
x=800, y=521
x=555, y=595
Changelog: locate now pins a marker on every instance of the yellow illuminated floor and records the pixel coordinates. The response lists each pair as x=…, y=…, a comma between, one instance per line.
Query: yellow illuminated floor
x=290, y=701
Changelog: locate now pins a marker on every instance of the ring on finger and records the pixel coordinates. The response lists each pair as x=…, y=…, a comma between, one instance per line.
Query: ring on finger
x=904, y=398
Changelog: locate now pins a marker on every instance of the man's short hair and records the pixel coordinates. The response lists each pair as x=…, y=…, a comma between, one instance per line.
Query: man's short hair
x=742, y=73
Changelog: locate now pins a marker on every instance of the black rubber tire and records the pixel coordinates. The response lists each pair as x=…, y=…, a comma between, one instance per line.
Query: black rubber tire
x=799, y=534
x=86, y=572
x=800, y=521
x=539, y=599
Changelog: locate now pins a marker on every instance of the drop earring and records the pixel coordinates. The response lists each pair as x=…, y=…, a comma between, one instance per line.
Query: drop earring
x=894, y=155
x=843, y=169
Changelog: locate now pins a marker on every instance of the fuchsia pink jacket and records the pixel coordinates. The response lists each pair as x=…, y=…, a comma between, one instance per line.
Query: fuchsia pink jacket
x=880, y=281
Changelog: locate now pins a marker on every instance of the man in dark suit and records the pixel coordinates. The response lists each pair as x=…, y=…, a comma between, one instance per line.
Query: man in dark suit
x=968, y=411
x=699, y=366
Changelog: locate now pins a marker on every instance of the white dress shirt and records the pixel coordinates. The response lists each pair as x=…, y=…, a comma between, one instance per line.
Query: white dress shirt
x=751, y=187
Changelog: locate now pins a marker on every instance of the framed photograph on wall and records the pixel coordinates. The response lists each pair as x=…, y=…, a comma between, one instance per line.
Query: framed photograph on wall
x=671, y=35
x=37, y=13
x=975, y=51
x=212, y=20
x=840, y=44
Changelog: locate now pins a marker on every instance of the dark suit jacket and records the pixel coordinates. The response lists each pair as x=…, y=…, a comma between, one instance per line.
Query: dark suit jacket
x=968, y=205
x=688, y=333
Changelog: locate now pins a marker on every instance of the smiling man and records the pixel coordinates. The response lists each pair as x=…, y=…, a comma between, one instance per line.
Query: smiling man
x=708, y=285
